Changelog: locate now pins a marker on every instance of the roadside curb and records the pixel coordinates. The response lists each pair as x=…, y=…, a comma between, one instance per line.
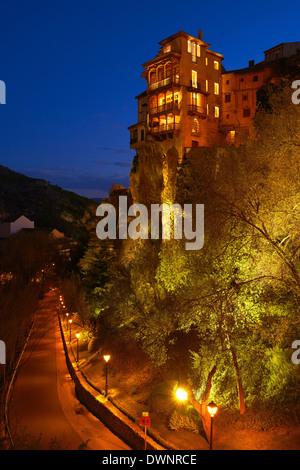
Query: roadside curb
x=10, y=386
x=99, y=406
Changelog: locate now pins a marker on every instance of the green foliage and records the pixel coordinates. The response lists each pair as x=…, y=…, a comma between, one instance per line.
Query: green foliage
x=232, y=305
x=180, y=420
x=135, y=163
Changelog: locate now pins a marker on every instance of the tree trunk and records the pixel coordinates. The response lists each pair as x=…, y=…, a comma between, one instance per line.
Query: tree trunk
x=202, y=407
x=238, y=377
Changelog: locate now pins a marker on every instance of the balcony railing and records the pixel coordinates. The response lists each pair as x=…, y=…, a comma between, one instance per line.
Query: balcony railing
x=164, y=128
x=172, y=106
x=193, y=108
x=164, y=82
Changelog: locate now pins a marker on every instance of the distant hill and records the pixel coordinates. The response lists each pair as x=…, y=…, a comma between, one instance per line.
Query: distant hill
x=47, y=205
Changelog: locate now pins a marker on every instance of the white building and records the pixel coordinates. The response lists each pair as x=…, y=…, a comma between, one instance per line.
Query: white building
x=13, y=225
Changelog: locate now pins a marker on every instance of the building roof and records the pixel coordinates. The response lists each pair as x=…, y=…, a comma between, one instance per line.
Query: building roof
x=182, y=33
x=12, y=218
x=279, y=45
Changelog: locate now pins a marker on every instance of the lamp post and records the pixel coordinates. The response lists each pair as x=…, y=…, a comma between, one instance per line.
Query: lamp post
x=212, y=409
x=77, y=336
x=70, y=321
x=106, y=358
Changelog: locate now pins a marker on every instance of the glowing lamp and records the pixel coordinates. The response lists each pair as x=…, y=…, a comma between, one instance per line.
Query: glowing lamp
x=106, y=358
x=181, y=394
x=77, y=335
x=212, y=409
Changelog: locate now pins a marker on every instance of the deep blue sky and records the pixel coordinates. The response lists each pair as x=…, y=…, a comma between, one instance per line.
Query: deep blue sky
x=72, y=69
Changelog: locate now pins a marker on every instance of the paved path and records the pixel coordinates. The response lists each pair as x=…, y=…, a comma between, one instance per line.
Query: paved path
x=43, y=403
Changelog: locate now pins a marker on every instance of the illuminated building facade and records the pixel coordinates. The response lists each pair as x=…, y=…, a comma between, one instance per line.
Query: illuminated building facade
x=183, y=97
x=192, y=101
x=239, y=88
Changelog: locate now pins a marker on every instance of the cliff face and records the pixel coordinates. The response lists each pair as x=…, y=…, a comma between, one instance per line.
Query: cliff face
x=47, y=205
x=153, y=178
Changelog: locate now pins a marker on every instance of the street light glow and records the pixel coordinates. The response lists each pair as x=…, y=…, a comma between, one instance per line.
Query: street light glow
x=212, y=409
x=106, y=358
x=181, y=394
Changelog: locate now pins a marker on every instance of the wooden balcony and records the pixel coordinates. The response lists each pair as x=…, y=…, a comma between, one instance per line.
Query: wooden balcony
x=195, y=110
x=172, y=106
x=164, y=82
x=164, y=128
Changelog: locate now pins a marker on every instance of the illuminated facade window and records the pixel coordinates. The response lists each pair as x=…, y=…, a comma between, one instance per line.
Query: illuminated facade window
x=216, y=65
x=216, y=89
x=189, y=46
x=206, y=85
x=231, y=136
x=217, y=111
x=206, y=61
x=194, y=79
x=195, y=126
x=167, y=48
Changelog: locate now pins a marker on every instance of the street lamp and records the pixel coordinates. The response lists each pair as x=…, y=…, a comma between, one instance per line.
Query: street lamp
x=70, y=321
x=77, y=336
x=181, y=394
x=212, y=409
x=106, y=358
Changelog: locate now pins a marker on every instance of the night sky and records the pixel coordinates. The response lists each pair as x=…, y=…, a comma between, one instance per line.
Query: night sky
x=72, y=69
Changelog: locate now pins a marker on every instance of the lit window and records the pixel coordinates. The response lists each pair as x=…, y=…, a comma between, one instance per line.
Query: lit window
x=206, y=61
x=206, y=85
x=195, y=126
x=193, y=49
x=217, y=111
x=194, y=79
x=167, y=48
x=207, y=109
x=231, y=136
x=216, y=65
x=189, y=46
x=198, y=51
x=216, y=88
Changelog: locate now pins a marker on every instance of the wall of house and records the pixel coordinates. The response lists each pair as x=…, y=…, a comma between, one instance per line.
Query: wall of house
x=4, y=229
x=20, y=223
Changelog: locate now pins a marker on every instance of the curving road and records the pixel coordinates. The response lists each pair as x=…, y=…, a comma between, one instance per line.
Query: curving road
x=44, y=412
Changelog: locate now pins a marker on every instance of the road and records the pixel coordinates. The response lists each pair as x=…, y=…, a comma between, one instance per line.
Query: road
x=44, y=412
